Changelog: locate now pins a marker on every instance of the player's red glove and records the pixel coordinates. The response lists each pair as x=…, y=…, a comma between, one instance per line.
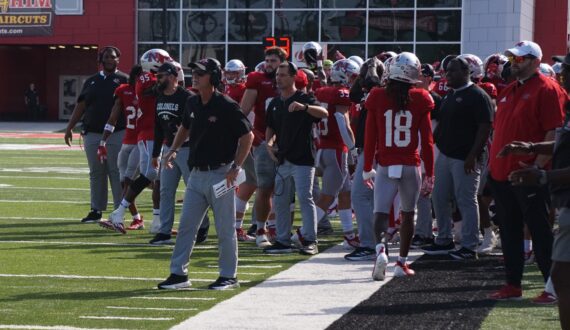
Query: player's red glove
x=102, y=153
x=427, y=185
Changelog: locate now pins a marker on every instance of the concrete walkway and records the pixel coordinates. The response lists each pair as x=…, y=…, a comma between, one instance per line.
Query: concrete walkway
x=23, y=126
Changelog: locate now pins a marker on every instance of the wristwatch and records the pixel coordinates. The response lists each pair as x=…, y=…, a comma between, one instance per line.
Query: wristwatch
x=235, y=167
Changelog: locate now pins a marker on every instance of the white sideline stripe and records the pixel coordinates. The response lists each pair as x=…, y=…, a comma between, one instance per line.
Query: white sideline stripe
x=240, y=273
x=43, y=201
x=152, y=308
x=120, y=278
x=126, y=318
x=174, y=298
x=324, y=288
x=54, y=327
x=251, y=266
x=44, y=177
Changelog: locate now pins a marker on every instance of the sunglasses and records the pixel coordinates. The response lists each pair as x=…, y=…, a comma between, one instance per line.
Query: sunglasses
x=199, y=73
x=519, y=59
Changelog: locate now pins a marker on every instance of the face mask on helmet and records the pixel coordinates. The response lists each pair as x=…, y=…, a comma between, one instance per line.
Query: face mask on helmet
x=234, y=72
x=312, y=51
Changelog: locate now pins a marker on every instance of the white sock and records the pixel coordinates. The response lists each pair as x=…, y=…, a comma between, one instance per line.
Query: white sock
x=403, y=260
x=125, y=204
x=155, y=211
x=239, y=223
x=137, y=216
x=346, y=220
x=527, y=245
x=271, y=223
x=320, y=213
x=260, y=225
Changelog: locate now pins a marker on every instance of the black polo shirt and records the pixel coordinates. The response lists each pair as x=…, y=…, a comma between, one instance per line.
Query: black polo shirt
x=293, y=130
x=435, y=113
x=169, y=112
x=98, y=93
x=460, y=114
x=215, y=129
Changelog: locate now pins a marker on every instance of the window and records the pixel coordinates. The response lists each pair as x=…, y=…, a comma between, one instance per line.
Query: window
x=204, y=26
x=301, y=25
x=241, y=4
x=375, y=49
x=156, y=4
x=152, y=28
x=439, y=3
x=432, y=53
x=250, y=55
x=297, y=4
x=193, y=53
x=68, y=7
x=391, y=26
x=343, y=26
x=344, y=4
x=444, y=25
x=346, y=49
x=207, y=4
x=249, y=25
x=392, y=4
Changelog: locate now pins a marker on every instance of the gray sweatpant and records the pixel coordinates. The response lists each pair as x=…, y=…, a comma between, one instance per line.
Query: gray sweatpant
x=451, y=180
x=362, y=199
x=128, y=161
x=100, y=173
x=198, y=197
x=169, y=180
x=424, y=221
x=302, y=178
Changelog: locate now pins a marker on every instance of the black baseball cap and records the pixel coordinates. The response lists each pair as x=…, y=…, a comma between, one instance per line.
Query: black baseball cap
x=562, y=59
x=169, y=68
x=206, y=64
x=427, y=70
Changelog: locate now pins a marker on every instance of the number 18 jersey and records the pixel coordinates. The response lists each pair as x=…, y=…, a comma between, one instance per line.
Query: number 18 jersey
x=126, y=93
x=392, y=135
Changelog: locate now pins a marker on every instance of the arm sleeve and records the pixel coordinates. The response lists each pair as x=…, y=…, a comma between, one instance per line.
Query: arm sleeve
x=370, y=132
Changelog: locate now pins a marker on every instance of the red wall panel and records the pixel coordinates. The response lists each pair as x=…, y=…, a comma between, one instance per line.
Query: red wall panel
x=549, y=14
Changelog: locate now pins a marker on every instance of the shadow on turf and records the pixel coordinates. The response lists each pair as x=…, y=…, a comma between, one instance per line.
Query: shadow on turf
x=444, y=294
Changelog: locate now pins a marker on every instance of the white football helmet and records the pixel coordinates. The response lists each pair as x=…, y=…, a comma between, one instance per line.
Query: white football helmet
x=344, y=71
x=386, y=55
x=235, y=65
x=475, y=65
x=180, y=76
x=357, y=59
x=546, y=70
x=557, y=67
x=152, y=59
x=311, y=52
x=386, y=73
x=260, y=67
x=494, y=65
x=405, y=67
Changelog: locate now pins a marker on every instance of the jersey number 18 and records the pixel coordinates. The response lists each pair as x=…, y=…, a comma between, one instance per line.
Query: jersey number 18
x=398, y=128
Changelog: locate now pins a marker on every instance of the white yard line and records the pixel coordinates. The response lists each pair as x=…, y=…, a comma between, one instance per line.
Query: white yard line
x=175, y=298
x=84, y=243
x=44, y=177
x=153, y=308
x=53, y=327
x=252, y=266
x=115, y=278
x=45, y=188
x=126, y=318
x=323, y=288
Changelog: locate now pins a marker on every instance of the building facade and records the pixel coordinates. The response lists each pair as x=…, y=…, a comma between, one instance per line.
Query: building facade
x=58, y=57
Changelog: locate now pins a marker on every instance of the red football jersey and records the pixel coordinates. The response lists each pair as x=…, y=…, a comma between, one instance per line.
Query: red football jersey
x=499, y=83
x=266, y=91
x=489, y=88
x=235, y=91
x=147, y=107
x=126, y=93
x=329, y=134
x=354, y=113
x=391, y=135
x=441, y=87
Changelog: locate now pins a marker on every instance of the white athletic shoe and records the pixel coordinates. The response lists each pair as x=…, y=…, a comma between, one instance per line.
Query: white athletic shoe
x=401, y=270
x=155, y=225
x=379, y=271
x=489, y=242
x=261, y=239
x=297, y=239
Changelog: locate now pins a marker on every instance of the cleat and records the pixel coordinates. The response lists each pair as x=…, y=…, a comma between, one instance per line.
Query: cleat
x=161, y=239
x=507, y=292
x=242, y=235
x=278, y=248
x=379, y=270
x=436, y=249
x=137, y=224
x=118, y=227
x=175, y=282
x=545, y=298
x=420, y=242
x=309, y=249
x=297, y=239
x=271, y=234
x=92, y=217
x=202, y=235
x=224, y=283
x=325, y=231
x=463, y=254
x=252, y=230
x=361, y=254
x=489, y=243
x=401, y=270
x=155, y=225
x=351, y=244
x=261, y=239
